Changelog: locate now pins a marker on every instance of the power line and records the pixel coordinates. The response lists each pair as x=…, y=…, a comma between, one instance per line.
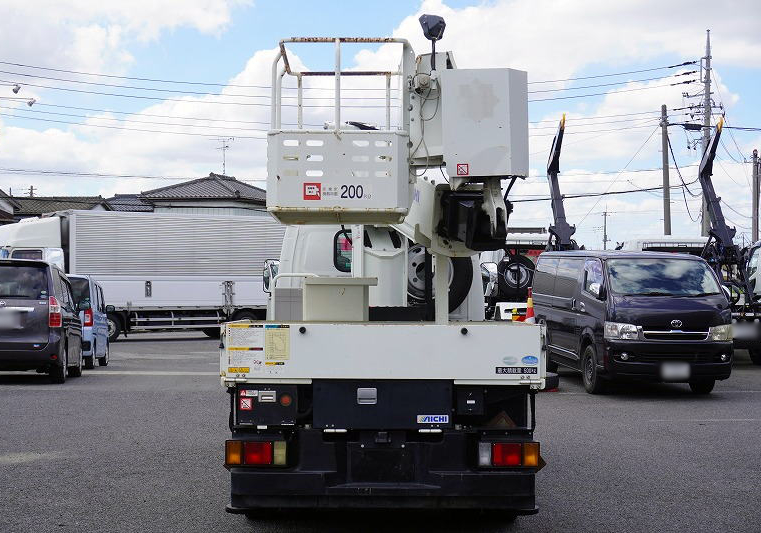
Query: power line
x=607, y=84
x=611, y=92
x=625, y=166
x=614, y=74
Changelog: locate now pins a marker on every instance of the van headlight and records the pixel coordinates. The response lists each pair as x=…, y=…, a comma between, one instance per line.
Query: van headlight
x=618, y=331
x=720, y=333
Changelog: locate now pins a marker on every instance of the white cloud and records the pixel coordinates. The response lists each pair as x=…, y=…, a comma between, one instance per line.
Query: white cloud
x=549, y=39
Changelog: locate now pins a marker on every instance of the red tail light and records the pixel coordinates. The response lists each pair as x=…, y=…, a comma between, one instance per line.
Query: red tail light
x=506, y=454
x=88, y=317
x=257, y=453
x=54, y=313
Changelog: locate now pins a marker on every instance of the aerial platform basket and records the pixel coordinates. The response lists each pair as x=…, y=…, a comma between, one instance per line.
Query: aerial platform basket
x=341, y=174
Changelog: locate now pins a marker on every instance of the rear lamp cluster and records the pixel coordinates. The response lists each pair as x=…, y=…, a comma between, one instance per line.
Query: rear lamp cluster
x=255, y=453
x=513, y=454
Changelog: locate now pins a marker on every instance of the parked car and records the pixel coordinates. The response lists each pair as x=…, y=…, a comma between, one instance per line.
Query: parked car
x=634, y=315
x=40, y=327
x=89, y=296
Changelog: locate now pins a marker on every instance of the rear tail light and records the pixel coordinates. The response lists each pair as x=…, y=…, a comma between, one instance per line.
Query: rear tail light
x=255, y=453
x=54, y=313
x=88, y=317
x=508, y=454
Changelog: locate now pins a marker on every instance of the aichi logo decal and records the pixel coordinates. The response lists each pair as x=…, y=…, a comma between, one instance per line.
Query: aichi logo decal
x=312, y=191
x=530, y=360
x=433, y=419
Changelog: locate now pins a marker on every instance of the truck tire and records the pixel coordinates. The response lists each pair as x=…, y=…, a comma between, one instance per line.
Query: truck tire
x=593, y=383
x=459, y=283
x=243, y=315
x=702, y=387
x=58, y=373
x=755, y=355
x=114, y=327
x=516, y=274
x=212, y=333
x=76, y=371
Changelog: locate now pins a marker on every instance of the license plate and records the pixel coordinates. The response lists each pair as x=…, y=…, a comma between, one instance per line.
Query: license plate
x=675, y=371
x=9, y=320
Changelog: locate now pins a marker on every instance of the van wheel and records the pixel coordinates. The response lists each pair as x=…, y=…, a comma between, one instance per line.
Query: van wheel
x=76, y=371
x=103, y=361
x=114, y=327
x=58, y=373
x=90, y=361
x=755, y=355
x=703, y=386
x=593, y=383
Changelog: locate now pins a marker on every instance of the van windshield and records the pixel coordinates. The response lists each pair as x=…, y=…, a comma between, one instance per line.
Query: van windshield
x=661, y=277
x=23, y=282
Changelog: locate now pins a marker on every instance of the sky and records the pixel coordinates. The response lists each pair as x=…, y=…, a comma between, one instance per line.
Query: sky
x=102, y=124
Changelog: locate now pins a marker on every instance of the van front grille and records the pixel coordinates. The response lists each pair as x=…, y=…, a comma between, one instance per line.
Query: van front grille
x=676, y=335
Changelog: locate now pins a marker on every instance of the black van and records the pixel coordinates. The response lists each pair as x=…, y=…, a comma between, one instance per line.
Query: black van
x=641, y=315
x=40, y=327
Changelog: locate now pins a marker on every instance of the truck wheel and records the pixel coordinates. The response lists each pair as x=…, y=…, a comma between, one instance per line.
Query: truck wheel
x=755, y=355
x=552, y=366
x=58, y=373
x=212, y=333
x=243, y=315
x=593, y=383
x=114, y=327
x=703, y=386
x=460, y=279
x=516, y=274
x=103, y=361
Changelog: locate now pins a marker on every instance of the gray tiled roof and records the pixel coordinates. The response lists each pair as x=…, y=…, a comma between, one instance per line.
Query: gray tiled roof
x=37, y=205
x=129, y=202
x=10, y=199
x=215, y=186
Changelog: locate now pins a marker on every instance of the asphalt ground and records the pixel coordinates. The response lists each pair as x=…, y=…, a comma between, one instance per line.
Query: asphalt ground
x=137, y=446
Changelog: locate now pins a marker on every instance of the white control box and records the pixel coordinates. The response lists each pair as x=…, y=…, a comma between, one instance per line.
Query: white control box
x=345, y=177
x=485, y=122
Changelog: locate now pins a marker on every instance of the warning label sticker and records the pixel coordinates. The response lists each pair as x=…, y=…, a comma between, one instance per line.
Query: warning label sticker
x=277, y=342
x=516, y=370
x=312, y=191
x=246, y=404
x=245, y=342
x=463, y=169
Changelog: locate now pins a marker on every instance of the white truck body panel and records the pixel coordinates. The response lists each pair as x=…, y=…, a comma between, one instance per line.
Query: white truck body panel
x=266, y=351
x=185, y=258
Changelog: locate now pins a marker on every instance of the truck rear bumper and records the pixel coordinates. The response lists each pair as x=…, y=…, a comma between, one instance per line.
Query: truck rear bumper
x=419, y=475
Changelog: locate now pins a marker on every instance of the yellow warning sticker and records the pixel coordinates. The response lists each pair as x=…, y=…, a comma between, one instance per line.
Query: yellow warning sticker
x=277, y=342
x=238, y=370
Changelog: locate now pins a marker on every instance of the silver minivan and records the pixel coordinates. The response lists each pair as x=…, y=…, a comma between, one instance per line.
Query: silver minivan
x=89, y=295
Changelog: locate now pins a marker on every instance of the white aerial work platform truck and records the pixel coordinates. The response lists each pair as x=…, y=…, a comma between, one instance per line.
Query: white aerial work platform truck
x=367, y=387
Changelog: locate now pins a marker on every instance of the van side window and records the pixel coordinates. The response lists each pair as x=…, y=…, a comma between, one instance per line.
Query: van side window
x=569, y=270
x=102, y=304
x=342, y=246
x=544, y=275
x=592, y=273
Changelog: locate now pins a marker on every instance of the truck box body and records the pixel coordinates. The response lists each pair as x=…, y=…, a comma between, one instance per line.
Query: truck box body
x=174, y=264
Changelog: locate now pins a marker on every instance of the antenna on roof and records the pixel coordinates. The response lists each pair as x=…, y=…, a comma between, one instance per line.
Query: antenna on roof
x=224, y=146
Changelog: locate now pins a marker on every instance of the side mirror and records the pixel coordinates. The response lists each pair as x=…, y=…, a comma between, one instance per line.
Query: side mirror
x=490, y=278
x=110, y=309
x=84, y=305
x=598, y=290
x=268, y=273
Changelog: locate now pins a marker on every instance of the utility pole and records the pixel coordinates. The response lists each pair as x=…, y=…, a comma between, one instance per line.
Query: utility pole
x=707, y=106
x=754, y=212
x=666, y=190
x=605, y=239
x=31, y=191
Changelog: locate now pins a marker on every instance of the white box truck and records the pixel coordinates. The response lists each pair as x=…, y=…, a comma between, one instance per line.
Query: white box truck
x=159, y=271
